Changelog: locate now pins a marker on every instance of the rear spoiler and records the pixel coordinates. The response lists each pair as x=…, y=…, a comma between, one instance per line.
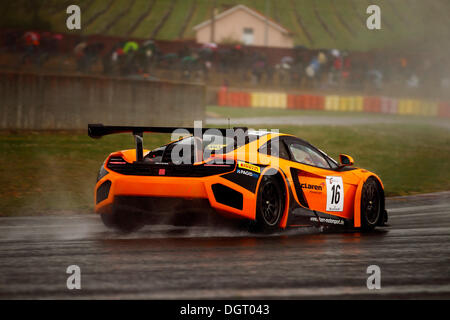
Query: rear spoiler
x=99, y=130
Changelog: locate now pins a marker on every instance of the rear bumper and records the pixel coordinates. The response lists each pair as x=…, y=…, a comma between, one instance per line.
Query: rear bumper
x=113, y=188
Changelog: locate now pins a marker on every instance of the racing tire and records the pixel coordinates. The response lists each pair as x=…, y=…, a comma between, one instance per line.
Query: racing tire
x=108, y=220
x=123, y=221
x=269, y=205
x=129, y=221
x=371, y=204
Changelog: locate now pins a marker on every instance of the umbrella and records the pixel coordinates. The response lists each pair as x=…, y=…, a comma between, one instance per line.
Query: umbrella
x=335, y=53
x=130, y=45
x=287, y=59
x=188, y=59
x=210, y=45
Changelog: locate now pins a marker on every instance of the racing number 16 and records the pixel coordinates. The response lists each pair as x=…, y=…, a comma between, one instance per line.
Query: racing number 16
x=335, y=193
x=335, y=197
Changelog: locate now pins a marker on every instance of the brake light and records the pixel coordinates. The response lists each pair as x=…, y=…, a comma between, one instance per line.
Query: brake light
x=116, y=161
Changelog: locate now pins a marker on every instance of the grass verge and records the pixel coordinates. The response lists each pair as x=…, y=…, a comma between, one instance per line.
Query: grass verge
x=46, y=172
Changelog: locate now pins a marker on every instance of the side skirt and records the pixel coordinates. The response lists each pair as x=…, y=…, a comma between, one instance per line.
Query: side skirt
x=301, y=216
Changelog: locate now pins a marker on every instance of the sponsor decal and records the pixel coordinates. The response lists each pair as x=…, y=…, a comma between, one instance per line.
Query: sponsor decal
x=310, y=186
x=215, y=147
x=328, y=220
x=248, y=166
x=247, y=173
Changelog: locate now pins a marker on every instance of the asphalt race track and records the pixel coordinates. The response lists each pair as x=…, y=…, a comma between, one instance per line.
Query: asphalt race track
x=167, y=262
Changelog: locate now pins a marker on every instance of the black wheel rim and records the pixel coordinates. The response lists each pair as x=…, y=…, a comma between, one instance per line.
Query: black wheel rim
x=270, y=203
x=371, y=203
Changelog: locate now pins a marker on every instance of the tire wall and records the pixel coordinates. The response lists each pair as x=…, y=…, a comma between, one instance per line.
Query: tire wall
x=341, y=103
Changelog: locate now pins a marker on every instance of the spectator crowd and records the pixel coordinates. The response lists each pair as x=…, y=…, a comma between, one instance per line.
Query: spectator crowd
x=297, y=68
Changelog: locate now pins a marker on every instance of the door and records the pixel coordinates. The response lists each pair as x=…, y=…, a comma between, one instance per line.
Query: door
x=318, y=185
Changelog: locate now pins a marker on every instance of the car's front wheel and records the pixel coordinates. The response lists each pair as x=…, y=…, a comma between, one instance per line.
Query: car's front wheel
x=371, y=202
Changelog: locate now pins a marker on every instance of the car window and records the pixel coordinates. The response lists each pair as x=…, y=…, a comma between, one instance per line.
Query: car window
x=275, y=147
x=306, y=155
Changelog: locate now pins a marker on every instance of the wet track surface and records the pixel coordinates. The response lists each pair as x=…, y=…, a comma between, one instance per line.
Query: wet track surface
x=164, y=262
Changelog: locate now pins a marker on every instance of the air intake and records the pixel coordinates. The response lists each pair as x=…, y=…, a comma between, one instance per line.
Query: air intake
x=103, y=191
x=228, y=196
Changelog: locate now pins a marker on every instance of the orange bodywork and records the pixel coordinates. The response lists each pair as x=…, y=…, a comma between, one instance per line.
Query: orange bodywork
x=311, y=180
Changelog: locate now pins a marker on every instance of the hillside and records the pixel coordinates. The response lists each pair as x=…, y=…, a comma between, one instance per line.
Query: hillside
x=314, y=24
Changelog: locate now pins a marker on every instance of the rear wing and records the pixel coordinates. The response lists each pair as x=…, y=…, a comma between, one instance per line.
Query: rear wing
x=99, y=130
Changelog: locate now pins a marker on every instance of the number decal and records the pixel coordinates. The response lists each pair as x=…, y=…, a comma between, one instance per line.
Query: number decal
x=335, y=194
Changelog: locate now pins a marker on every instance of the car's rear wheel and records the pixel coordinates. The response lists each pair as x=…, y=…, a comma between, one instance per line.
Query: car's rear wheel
x=371, y=211
x=270, y=204
x=108, y=219
x=123, y=220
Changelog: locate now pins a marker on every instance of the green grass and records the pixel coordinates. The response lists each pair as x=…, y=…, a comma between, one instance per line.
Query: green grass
x=55, y=173
x=411, y=22
x=202, y=13
x=147, y=26
x=236, y=113
x=176, y=19
x=125, y=23
x=409, y=158
x=44, y=172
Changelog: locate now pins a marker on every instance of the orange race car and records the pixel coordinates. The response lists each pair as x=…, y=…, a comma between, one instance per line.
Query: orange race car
x=268, y=179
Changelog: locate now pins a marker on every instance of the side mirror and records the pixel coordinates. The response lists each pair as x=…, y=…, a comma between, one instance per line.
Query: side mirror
x=346, y=160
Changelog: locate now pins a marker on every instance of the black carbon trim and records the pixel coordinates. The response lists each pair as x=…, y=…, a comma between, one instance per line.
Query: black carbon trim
x=117, y=164
x=239, y=177
x=342, y=169
x=103, y=191
x=228, y=196
x=243, y=180
x=102, y=173
x=298, y=189
x=332, y=220
x=300, y=215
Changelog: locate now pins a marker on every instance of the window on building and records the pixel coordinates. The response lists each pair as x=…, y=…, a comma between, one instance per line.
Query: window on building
x=247, y=36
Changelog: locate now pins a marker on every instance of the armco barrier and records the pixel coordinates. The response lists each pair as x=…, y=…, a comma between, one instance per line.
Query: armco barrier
x=31, y=101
